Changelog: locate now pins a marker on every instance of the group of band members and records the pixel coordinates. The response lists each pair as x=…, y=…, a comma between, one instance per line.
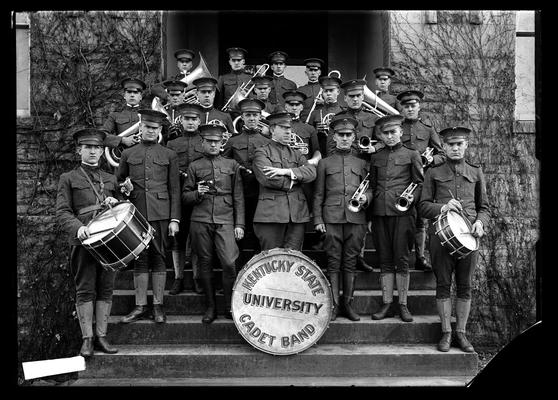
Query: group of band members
x=204, y=190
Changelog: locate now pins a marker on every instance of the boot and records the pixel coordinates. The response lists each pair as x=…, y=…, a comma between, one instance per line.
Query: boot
x=211, y=311
x=386, y=281
x=421, y=263
x=139, y=312
x=462, y=308
x=348, y=289
x=228, y=284
x=334, y=280
x=177, y=286
x=158, y=281
x=85, y=316
x=102, y=312
x=363, y=265
x=402, y=289
x=444, y=311
x=141, y=281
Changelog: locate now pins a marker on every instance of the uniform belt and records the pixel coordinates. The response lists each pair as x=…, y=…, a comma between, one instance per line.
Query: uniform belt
x=89, y=209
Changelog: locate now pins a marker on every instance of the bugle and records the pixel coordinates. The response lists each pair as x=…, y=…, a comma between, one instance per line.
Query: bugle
x=244, y=90
x=404, y=201
x=319, y=95
x=354, y=203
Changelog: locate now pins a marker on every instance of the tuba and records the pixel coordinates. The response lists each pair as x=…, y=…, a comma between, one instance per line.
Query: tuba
x=354, y=205
x=201, y=71
x=262, y=125
x=376, y=105
x=404, y=201
x=319, y=95
x=244, y=90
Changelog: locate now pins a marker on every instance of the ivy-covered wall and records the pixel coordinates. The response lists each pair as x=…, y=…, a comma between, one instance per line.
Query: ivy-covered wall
x=76, y=62
x=464, y=64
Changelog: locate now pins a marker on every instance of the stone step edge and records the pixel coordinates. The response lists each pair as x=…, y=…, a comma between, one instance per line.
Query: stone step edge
x=359, y=293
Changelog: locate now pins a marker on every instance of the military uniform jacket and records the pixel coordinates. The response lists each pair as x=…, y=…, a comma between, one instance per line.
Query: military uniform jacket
x=188, y=147
x=117, y=122
x=366, y=124
x=388, y=98
x=280, y=86
x=311, y=90
x=75, y=198
x=242, y=148
x=320, y=112
x=228, y=83
x=224, y=205
x=466, y=182
x=419, y=135
x=392, y=170
x=308, y=134
x=212, y=113
x=339, y=176
x=153, y=170
x=279, y=201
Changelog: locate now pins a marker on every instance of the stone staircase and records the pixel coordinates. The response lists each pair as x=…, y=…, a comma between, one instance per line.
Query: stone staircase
x=185, y=352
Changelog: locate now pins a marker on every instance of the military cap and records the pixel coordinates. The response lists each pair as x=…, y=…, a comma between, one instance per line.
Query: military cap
x=187, y=54
x=278, y=56
x=294, y=96
x=410, y=96
x=251, y=105
x=455, y=133
x=189, y=110
x=149, y=115
x=352, y=85
x=212, y=131
x=133, y=83
x=207, y=83
x=329, y=82
x=280, y=118
x=91, y=136
x=314, y=63
x=383, y=71
x=343, y=123
x=174, y=85
x=388, y=121
x=236, y=52
x=262, y=81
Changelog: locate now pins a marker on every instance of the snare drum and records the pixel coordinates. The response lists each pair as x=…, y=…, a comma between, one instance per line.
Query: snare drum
x=118, y=235
x=454, y=231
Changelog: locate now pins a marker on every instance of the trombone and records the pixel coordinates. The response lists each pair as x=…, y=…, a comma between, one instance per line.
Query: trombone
x=319, y=95
x=244, y=90
x=355, y=205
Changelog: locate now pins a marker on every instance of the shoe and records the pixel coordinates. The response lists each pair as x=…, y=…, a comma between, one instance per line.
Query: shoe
x=445, y=342
x=137, y=313
x=384, y=312
x=159, y=314
x=102, y=344
x=463, y=343
x=404, y=313
x=363, y=265
x=87, y=347
x=177, y=286
x=209, y=316
x=422, y=264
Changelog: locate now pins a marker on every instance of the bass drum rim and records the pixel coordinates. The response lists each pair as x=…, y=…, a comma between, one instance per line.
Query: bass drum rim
x=443, y=227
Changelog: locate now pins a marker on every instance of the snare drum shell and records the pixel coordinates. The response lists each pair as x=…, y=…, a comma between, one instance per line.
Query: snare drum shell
x=447, y=237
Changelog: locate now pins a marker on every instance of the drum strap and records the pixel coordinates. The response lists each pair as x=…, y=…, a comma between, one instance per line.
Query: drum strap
x=101, y=185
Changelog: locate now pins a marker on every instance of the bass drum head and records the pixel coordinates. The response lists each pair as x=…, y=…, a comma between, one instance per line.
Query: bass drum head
x=461, y=228
x=281, y=302
x=105, y=223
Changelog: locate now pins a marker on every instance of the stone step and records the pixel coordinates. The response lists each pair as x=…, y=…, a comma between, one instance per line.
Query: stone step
x=364, y=281
x=419, y=302
x=243, y=361
x=188, y=329
x=315, y=381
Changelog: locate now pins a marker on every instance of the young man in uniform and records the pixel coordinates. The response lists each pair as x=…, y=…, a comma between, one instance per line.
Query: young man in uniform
x=382, y=83
x=312, y=88
x=339, y=177
x=455, y=185
x=262, y=90
x=82, y=194
x=206, y=88
x=213, y=189
x=277, y=63
x=228, y=83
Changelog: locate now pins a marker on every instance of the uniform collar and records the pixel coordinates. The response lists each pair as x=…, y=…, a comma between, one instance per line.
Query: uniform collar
x=278, y=76
x=342, y=151
x=90, y=167
x=397, y=146
x=131, y=106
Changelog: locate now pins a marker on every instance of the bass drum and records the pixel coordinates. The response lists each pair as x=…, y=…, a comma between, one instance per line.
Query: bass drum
x=454, y=231
x=118, y=235
x=281, y=302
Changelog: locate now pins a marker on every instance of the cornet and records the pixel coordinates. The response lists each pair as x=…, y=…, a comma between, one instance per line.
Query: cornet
x=404, y=201
x=323, y=126
x=355, y=205
x=244, y=90
x=425, y=155
x=365, y=143
x=296, y=142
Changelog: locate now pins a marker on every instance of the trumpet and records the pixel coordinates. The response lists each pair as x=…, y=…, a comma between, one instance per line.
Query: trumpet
x=319, y=95
x=425, y=155
x=404, y=201
x=365, y=143
x=296, y=142
x=355, y=205
x=262, y=125
x=244, y=90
